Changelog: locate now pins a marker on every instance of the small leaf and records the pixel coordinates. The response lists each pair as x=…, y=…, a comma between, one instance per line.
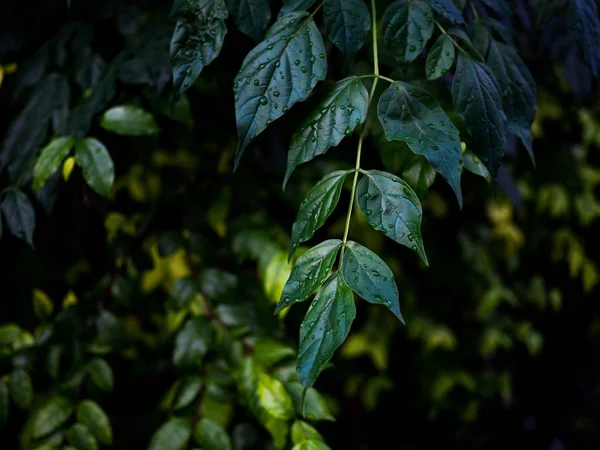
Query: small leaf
x=393, y=208
x=187, y=391
x=42, y=304
x=309, y=404
x=21, y=388
x=464, y=41
x=192, y=343
x=309, y=273
x=370, y=277
x=101, y=374
x=347, y=23
x=411, y=114
x=311, y=445
x=172, y=435
x=183, y=291
x=518, y=94
x=251, y=16
x=448, y=10
x=476, y=97
x=270, y=351
x=4, y=402
x=197, y=40
x=129, y=120
x=318, y=205
x=440, y=58
x=97, y=165
x=211, y=436
x=50, y=159
x=290, y=6
x=407, y=26
x=68, y=167
x=279, y=72
x=273, y=397
x=50, y=416
x=93, y=416
x=18, y=214
x=79, y=436
x=337, y=116
x=480, y=37
x=302, y=431
x=9, y=334
x=324, y=328
x=473, y=164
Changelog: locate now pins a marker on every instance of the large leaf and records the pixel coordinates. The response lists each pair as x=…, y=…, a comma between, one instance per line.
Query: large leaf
x=309, y=273
x=477, y=99
x=277, y=73
x=50, y=416
x=197, y=40
x=318, y=205
x=91, y=415
x=80, y=437
x=544, y=10
x=19, y=214
x=273, y=397
x=585, y=25
x=347, y=23
x=129, y=120
x=336, y=117
x=411, y=114
x=192, y=343
x=393, y=208
x=290, y=6
x=50, y=159
x=172, y=435
x=440, y=58
x=518, y=93
x=480, y=37
x=447, y=9
x=251, y=16
x=101, y=374
x=96, y=164
x=367, y=275
x=324, y=328
x=211, y=436
x=21, y=388
x=407, y=26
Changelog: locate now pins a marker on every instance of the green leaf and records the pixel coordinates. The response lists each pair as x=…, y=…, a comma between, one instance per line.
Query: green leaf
x=584, y=23
x=370, y=277
x=183, y=291
x=187, y=391
x=324, y=328
x=279, y=72
x=21, y=388
x=309, y=273
x=518, y=94
x=273, y=397
x=318, y=205
x=18, y=214
x=9, y=334
x=101, y=374
x=302, y=431
x=448, y=10
x=348, y=23
x=477, y=99
x=50, y=416
x=336, y=117
x=407, y=26
x=50, y=159
x=309, y=404
x=440, y=58
x=172, y=435
x=97, y=165
x=93, y=416
x=419, y=174
x=464, y=41
x=473, y=164
x=197, y=41
x=480, y=37
x=500, y=7
x=270, y=351
x=393, y=208
x=192, y=343
x=251, y=16
x=211, y=436
x=129, y=120
x=311, y=445
x=290, y=6
x=4, y=402
x=411, y=114
x=79, y=436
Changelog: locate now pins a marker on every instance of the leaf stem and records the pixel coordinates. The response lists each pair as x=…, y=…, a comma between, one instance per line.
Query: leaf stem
x=443, y=30
x=319, y=6
x=475, y=13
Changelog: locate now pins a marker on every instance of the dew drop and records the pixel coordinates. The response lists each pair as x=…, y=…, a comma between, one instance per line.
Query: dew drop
x=263, y=100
